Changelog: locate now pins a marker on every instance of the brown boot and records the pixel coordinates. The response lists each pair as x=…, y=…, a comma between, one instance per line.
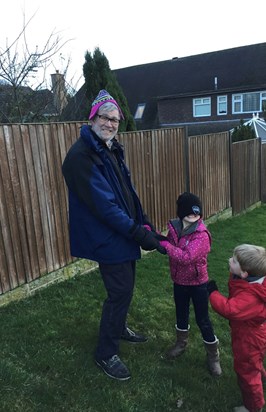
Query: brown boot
x=180, y=345
x=213, y=357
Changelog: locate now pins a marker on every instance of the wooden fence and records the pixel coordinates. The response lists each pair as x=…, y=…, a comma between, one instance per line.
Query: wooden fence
x=209, y=172
x=33, y=212
x=33, y=196
x=246, y=174
x=157, y=162
x=263, y=172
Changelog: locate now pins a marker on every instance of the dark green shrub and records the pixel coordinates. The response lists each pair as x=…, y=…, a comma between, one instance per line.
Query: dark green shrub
x=243, y=132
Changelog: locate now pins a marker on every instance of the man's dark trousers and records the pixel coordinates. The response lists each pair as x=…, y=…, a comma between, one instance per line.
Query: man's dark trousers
x=119, y=280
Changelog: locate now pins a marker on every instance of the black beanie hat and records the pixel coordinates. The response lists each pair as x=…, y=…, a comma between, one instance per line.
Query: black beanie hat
x=188, y=204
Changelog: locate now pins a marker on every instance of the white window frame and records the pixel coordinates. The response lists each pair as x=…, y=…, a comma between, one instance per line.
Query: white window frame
x=237, y=100
x=238, y=103
x=263, y=101
x=222, y=105
x=139, y=111
x=202, y=103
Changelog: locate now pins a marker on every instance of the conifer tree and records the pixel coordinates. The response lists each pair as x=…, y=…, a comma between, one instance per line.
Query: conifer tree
x=98, y=75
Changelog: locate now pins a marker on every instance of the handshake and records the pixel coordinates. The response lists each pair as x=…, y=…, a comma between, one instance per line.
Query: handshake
x=148, y=239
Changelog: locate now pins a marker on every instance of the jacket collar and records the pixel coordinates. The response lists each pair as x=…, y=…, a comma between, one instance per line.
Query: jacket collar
x=95, y=143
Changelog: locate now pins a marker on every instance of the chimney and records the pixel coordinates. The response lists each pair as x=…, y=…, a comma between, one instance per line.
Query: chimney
x=215, y=83
x=59, y=91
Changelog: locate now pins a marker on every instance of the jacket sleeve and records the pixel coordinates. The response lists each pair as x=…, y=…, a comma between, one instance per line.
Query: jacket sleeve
x=195, y=248
x=240, y=307
x=84, y=180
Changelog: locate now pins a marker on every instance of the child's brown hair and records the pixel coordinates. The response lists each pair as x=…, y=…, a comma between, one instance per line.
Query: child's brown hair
x=252, y=259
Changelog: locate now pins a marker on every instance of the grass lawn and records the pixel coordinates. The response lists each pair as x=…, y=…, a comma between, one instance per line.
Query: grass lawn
x=48, y=341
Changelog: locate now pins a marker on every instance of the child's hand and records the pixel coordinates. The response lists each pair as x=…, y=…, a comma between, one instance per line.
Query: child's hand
x=148, y=227
x=211, y=286
x=164, y=243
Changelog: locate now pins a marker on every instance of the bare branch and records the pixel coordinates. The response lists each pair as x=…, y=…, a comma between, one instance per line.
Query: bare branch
x=24, y=68
x=20, y=63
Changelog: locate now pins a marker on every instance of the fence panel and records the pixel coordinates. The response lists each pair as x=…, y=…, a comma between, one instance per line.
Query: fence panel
x=263, y=172
x=245, y=174
x=33, y=206
x=157, y=164
x=11, y=211
x=209, y=171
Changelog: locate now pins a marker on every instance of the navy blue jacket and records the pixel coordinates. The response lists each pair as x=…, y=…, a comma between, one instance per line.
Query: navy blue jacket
x=99, y=218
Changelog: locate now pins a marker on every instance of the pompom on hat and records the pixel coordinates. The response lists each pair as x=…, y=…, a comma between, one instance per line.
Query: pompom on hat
x=188, y=204
x=103, y=97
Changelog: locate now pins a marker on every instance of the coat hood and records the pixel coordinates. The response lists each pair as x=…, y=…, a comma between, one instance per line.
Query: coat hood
x=256, y=288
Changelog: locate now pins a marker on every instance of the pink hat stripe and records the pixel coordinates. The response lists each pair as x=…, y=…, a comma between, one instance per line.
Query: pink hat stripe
x=103, y=97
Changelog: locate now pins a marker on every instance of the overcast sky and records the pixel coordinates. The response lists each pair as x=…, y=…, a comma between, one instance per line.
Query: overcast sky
x=135, y=32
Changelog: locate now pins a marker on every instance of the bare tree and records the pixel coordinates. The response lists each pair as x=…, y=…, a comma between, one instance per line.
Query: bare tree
x=23, y=72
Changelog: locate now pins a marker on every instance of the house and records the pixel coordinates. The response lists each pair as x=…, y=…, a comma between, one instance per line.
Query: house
x=207, y=93
x=24, y=104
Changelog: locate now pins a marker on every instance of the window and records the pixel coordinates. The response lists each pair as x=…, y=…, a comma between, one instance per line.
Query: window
x=237, y=103
x=139, y=111
x=263, y=102
x=248, y=102
x=202, y=107
x=222, y=105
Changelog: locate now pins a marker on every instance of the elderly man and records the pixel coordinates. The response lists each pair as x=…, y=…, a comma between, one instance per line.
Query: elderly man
x=107, y=224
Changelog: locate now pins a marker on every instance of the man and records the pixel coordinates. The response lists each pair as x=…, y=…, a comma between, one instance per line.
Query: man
x=107, y=224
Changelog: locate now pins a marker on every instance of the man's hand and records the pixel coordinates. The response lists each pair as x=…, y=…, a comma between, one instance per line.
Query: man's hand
x=147, y=239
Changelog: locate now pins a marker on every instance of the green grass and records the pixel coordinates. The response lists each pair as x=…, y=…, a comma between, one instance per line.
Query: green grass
x=48, y=341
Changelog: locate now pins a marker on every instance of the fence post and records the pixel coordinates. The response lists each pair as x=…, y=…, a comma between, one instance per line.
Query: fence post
x=187, y=180
x=263, y=173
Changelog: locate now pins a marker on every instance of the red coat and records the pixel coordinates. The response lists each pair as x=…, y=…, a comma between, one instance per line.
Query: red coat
x=246, y=310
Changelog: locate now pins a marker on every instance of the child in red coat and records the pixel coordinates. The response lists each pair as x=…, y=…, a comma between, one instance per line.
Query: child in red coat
x=246, y=310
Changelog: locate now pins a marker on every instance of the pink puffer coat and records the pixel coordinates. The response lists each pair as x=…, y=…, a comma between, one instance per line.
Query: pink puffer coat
x=188, y=254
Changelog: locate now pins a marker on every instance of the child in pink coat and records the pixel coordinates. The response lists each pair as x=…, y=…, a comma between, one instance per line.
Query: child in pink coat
x=188, y=244
x=245, y=307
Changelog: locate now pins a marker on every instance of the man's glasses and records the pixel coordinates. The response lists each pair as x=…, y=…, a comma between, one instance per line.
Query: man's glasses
x=105, y=119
